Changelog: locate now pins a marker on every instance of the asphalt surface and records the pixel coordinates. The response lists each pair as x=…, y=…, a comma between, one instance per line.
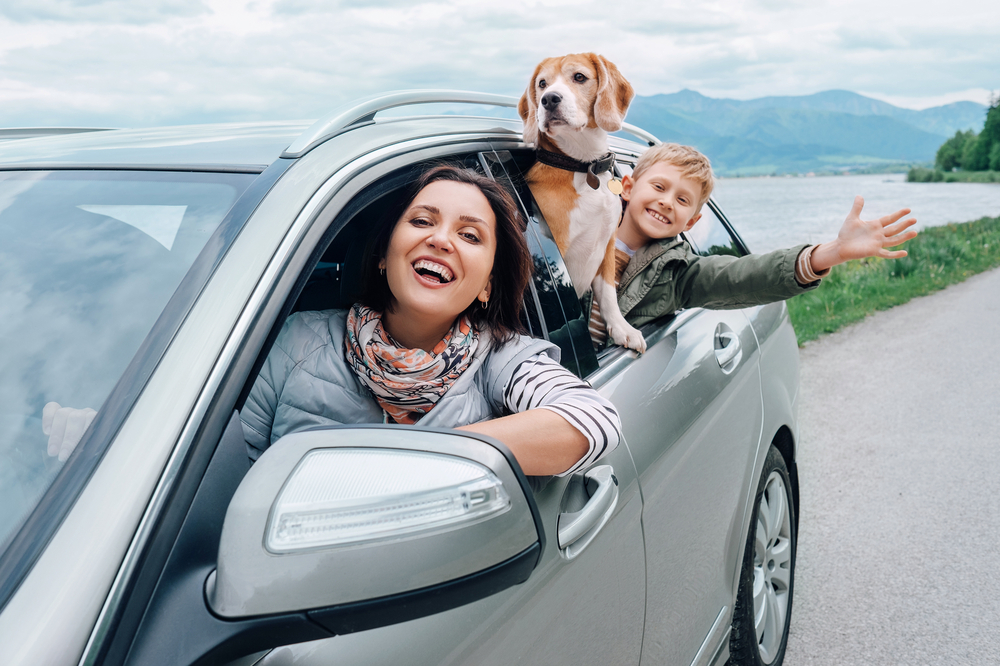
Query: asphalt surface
x=899, y=532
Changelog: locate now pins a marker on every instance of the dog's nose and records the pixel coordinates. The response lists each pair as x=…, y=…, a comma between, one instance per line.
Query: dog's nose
x=550, y=100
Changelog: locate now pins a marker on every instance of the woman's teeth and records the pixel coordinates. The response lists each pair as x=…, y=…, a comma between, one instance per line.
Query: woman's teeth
x=432, y=268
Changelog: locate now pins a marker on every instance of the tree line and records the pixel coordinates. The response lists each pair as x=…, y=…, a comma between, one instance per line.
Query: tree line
x=969, y=151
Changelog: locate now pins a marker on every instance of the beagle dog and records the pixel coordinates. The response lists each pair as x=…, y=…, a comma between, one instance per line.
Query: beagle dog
x=570, y=105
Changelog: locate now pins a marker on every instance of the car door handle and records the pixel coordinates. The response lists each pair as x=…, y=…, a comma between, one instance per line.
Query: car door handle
x=727, y=348
x=576, y=530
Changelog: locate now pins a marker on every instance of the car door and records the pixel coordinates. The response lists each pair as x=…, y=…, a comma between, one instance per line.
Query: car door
x=584, y=603
x=702, y=379
x=691, y=413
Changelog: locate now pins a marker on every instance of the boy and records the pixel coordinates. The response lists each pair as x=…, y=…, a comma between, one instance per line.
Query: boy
x=657, y=273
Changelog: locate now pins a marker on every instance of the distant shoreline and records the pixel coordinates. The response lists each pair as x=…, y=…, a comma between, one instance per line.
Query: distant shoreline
x=868, y=171
x=923, y=175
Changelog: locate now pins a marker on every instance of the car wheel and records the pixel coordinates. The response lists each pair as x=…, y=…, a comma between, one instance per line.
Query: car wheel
x=764, y=602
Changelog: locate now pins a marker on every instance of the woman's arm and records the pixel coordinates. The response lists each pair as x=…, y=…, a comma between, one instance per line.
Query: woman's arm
x=560, y=422
x=543, y=442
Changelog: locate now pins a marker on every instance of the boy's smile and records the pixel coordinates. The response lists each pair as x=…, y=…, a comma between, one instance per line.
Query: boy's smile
x=662, y=203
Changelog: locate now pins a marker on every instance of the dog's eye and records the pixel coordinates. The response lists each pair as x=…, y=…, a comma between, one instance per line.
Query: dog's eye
x=579, y=78
x=541, y=83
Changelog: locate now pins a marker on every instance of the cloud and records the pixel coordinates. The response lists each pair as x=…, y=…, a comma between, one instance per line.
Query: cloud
x=177, y=61
x=878, y=39
x=106, y=11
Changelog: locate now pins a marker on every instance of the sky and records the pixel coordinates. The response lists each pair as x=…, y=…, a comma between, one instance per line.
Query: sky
x=140, y=63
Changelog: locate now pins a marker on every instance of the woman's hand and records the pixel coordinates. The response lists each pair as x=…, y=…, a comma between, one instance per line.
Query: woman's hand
x=65, y=426
x=865, y=238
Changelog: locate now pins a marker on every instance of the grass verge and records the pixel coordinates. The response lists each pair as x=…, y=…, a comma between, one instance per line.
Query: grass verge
x=938, y=257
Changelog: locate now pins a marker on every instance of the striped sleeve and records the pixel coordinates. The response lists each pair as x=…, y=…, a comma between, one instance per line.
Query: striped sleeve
x=541, y=383
x=804, y=273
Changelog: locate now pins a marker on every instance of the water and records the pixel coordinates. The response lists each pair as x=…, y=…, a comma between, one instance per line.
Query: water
x=772, y=213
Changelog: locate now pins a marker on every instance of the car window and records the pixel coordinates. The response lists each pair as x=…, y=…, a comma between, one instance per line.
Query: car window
x=710, y=236
x=335, y=281
x=557, y=301
x=87, y=262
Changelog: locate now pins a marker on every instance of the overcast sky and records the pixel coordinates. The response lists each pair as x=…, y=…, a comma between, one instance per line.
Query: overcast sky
x=133, y=63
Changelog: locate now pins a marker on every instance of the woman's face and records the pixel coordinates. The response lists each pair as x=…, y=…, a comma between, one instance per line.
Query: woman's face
x=440, y=254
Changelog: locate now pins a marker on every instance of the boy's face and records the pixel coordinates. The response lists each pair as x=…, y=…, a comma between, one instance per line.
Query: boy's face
x=661, y=203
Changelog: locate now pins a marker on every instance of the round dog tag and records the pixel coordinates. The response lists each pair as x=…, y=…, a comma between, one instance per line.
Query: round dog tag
x=615, y=186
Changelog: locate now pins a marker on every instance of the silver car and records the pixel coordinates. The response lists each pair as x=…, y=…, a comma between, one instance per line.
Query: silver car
x=145, y=273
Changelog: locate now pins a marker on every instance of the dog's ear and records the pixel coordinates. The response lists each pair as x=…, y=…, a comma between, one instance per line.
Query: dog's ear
x=614, y=94
x=527, y=108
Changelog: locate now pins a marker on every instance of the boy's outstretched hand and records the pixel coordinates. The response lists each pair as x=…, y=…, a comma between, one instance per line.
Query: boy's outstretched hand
x=865, y=238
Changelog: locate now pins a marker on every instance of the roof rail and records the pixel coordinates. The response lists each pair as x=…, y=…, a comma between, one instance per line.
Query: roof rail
x=10, y=133
x=641, y=133
x=362, y=112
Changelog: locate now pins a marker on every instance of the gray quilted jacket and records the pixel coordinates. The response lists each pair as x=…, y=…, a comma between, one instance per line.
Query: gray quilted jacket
x=306, y=382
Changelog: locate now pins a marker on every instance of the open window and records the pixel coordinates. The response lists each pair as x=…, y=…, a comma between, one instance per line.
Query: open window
x=563, y=319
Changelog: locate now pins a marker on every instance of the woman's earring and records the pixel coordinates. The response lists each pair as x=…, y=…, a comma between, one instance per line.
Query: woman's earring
x=381, y=271
x=484, y=304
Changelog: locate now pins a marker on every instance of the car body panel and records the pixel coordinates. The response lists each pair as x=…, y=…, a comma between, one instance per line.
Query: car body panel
x=692, y=464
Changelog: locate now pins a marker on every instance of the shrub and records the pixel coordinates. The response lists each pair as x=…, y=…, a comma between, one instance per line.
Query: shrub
x=921, y=175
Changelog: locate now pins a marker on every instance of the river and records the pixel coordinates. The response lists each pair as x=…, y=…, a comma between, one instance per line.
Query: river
x=771, y=213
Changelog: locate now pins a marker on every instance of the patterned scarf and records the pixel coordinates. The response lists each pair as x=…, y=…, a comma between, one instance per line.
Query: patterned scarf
x=407, y=383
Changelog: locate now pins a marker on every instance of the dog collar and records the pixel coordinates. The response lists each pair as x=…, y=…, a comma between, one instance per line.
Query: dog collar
x=602, y=164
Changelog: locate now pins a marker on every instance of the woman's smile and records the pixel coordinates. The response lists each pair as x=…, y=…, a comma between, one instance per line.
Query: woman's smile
x=432, y=271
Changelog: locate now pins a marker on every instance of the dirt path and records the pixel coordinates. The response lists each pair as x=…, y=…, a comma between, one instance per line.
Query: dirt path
x=899, y=542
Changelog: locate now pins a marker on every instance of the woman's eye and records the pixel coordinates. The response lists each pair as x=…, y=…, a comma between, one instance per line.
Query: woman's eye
x=470, y=236
x=579, y=78
x=541, y=83
x=419, y=222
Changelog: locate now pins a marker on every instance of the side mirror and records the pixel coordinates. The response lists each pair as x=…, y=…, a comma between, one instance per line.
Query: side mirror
x=364, y=526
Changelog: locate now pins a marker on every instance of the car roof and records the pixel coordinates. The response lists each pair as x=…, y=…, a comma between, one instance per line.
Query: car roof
x=231, y=146
x=247, y=147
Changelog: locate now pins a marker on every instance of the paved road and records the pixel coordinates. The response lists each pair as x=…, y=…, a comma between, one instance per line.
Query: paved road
x=899, y=542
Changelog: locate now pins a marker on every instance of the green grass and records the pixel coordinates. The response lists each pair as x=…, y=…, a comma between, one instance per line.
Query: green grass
x=938, y=257
x=921, y=175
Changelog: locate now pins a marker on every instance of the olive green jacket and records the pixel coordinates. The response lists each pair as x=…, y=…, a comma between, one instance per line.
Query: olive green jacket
x=667, y=275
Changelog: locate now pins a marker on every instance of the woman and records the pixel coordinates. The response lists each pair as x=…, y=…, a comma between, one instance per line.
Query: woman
x=436, y=340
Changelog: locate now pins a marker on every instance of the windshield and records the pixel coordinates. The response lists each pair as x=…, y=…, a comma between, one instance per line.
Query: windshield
x=88, y=259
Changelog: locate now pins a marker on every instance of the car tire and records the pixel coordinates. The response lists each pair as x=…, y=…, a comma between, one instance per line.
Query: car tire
x=764, y=601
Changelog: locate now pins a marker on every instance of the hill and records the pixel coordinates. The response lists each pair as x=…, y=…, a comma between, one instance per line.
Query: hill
x=834, y=130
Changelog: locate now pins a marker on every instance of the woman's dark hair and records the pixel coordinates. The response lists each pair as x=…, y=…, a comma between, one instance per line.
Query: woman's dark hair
x=512, y=263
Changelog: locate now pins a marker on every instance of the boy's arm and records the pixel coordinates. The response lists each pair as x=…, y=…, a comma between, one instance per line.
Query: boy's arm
x=726, y=282
x=723, y=282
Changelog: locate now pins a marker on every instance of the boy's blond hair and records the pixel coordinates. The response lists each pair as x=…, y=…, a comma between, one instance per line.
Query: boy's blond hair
x=691, y=163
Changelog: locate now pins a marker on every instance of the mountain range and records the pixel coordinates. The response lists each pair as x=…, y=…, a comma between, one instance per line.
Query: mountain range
x=830, y=131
